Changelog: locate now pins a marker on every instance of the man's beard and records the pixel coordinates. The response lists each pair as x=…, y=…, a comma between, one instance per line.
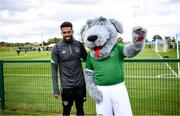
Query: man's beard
x=68, y=39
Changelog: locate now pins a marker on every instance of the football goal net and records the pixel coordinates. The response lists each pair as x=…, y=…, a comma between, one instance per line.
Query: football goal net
x=161, y=46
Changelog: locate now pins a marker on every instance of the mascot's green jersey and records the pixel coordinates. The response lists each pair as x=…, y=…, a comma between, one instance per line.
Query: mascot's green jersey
x=108, y=71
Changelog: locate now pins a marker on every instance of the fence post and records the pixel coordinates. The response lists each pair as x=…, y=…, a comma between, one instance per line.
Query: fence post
x=2, y=99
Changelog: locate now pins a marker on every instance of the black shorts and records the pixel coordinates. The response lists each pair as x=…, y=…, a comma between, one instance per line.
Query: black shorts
x=77, y=94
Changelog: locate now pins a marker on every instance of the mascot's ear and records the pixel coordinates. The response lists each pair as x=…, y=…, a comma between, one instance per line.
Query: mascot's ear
x=117, y=25
x=82, y=31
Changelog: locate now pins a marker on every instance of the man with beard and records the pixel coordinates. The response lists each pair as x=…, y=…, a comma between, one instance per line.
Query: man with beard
x=66, y=56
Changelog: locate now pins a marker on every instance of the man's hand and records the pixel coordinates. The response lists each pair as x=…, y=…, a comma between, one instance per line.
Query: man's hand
x=57, y=96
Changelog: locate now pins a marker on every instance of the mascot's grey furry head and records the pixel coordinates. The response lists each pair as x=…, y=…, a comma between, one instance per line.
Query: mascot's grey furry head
x=100, y=35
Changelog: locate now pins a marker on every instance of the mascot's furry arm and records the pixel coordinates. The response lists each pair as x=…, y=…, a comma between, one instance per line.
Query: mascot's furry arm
x=138, y=40
x=93, y=90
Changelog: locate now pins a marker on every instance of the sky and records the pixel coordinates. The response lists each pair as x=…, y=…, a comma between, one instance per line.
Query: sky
x=39, y=20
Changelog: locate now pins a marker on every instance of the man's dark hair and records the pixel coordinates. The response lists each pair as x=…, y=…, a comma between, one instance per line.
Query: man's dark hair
x=66, y=24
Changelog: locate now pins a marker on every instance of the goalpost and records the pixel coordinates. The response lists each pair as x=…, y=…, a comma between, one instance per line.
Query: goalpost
x=161, y=45
x=177, y=51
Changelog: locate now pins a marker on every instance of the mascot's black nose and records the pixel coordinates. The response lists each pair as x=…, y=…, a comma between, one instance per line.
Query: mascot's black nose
x=92, y=38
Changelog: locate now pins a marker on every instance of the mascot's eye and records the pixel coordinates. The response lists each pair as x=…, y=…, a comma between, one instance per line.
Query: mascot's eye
x=101, y=23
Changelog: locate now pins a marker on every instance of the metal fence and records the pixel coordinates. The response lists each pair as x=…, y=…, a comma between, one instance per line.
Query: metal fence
x=153, y=87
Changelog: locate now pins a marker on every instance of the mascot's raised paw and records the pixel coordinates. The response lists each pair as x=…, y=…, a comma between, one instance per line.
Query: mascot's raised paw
x=139, y=35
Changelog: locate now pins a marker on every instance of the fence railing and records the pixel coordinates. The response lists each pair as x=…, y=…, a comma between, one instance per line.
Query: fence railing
x=153, y=87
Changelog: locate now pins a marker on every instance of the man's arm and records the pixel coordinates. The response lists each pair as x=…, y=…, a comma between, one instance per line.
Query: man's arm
x=83, y=54
x=54, y=69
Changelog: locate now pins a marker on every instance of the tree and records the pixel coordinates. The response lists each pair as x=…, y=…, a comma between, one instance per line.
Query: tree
x=27, y=44
x=173, y=39
x=2, y=44
x=156, y=37
x=54, y=40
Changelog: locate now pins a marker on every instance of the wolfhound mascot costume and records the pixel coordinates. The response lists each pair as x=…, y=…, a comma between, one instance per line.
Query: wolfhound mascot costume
x=104, y=73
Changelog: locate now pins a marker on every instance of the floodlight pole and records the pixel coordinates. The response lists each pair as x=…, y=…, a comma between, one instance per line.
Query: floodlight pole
x=135, y=6
x=41, y=16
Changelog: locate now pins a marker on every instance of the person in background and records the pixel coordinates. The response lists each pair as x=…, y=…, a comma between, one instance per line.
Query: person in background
x=25, y=51
x=18, y=51
x=66, y=56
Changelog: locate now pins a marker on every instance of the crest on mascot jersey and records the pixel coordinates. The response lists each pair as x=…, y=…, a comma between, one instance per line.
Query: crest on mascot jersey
x=112, y=54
